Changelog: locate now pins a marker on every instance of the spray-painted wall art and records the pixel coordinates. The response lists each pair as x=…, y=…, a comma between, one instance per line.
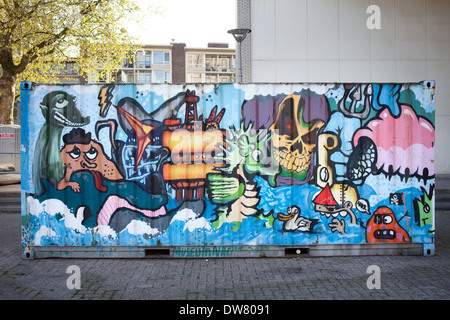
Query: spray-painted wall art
x=227, y=164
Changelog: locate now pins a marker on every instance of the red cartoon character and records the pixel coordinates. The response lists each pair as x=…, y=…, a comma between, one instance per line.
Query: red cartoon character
x=383, y=227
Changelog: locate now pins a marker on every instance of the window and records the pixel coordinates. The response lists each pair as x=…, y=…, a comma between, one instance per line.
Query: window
x=145, y=77
x=224, y=78
x=127, y=62
x=68, y=68
x=210, y=62
x=161, y=57
x=194, y=77
x=195, y=60
x=224, y=63
x=144, y=60
x=211, y=78
x=129, y=77
x=160, y=76
x=71, y=68
x=102, y=76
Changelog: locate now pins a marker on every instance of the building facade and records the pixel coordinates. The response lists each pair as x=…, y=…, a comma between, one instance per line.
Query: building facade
x=174, y=63
x=177, y=63
x=210, y=65
x=352, y=41
x=148, y=64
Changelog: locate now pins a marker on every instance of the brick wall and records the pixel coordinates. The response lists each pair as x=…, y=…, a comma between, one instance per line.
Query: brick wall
x=178, y=63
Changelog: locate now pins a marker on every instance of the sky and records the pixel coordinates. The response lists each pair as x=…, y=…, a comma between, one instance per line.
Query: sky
x=194, y=22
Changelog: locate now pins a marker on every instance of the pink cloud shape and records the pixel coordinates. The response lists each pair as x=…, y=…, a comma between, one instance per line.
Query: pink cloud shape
x=406, y=142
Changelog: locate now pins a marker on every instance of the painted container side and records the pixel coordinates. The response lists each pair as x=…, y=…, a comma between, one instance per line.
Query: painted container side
x=201, y=170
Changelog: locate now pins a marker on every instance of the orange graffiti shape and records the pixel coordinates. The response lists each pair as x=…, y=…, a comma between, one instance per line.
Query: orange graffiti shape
x=383, y=227
x=142, y=132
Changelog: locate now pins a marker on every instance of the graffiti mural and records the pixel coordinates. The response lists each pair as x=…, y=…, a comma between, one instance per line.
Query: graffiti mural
x=228, y=164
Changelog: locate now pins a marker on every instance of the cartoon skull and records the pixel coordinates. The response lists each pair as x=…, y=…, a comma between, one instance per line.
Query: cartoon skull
x=299, y=120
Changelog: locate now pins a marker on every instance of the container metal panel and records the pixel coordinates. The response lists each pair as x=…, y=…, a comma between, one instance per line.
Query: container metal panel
x=195, y=170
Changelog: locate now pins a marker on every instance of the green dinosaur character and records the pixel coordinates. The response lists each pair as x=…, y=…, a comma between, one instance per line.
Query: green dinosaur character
x=234, y=189
x=59, y=110
x=423, y=209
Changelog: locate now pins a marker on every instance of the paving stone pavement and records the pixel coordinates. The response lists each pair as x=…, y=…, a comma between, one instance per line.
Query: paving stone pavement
x=255, y=279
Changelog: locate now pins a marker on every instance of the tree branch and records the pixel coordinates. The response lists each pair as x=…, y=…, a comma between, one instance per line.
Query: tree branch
x=32, y=53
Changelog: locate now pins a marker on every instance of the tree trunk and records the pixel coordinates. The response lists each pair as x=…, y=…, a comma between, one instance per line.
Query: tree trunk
x=7, y=94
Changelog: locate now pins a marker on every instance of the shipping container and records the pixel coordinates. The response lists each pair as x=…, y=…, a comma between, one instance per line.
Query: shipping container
x=227, y=170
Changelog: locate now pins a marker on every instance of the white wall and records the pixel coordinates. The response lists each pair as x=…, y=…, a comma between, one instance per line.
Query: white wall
x=328, y=41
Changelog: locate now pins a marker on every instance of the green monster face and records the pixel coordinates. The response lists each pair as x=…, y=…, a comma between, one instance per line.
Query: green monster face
x=59, y=109
x=252, y=150
x=424, y=210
